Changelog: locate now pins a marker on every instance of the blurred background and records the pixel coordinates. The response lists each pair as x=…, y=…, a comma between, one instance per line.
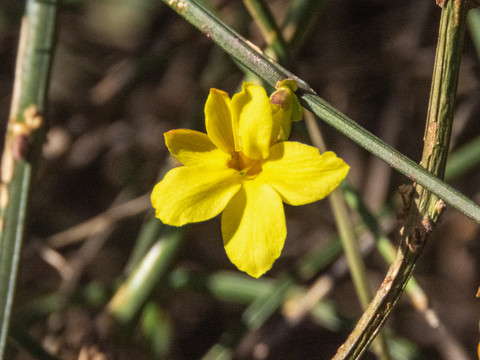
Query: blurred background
x=127, y=71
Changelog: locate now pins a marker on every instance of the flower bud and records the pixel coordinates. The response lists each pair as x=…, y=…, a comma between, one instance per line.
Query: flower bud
x=285, y=107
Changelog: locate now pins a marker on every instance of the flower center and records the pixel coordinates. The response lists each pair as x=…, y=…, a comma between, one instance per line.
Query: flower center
x=244, y=164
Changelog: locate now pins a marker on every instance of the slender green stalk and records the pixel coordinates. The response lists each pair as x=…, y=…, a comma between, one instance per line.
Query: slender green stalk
x=149, y=234
x=355, y=261
x=424, y=211
x=463, y=159
x=264, y=19
x=473, y=21
x=300, y=20
x=384, y=246
x=133, y=293
x=271, y=72
x=23, y=141
x=344, y=225
x=348, y=236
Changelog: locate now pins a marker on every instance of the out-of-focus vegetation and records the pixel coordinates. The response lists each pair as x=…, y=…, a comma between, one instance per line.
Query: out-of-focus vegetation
x=127, y=71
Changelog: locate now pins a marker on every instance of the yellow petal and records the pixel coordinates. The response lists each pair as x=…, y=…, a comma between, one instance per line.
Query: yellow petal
x=194, y=193
x=194, y=148
x=253, y=228
x=300, y=174
x=252, y=110
x=218, y=120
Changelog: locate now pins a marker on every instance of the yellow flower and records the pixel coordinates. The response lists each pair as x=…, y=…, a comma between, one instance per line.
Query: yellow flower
x=240, y=168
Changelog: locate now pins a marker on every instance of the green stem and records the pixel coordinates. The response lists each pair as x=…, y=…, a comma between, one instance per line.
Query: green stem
x=463, y=160
x=264, y=19
x=271, y=72
x=348, y=236
x=25, y=134
x=473, y=21
x=344, y=225
x=149, y=234
x=300, y=20
x=133, y=293
x=424, y=211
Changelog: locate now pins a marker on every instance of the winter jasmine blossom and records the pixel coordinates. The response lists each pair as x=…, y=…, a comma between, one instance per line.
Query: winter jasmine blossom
x=243, y=167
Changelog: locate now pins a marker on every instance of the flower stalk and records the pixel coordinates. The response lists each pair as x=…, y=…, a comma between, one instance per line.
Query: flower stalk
x=24, y=137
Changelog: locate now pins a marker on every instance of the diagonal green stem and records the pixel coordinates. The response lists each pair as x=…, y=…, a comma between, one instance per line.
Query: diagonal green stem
x=271, y=72
x=23, y=141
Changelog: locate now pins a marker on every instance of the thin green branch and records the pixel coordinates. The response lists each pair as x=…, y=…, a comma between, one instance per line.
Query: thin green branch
x=345, y=227
x=300, y=20
x=348, y=237
x=25, y=133
x=463, y=160
x=271, y=72
x=473, y=21
x=425, y=208
x=264, y=19
x=134, y=292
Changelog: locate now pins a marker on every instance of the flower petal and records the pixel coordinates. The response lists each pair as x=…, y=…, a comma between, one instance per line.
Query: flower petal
x=300, y=174
x=194, y=193
x=218, y=120
x=253, y=228
x=252, y=110
x=194, y=148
